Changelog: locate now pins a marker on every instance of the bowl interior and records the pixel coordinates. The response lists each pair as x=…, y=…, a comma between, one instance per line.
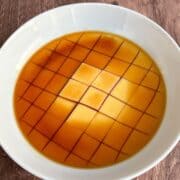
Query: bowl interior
x=100, y=17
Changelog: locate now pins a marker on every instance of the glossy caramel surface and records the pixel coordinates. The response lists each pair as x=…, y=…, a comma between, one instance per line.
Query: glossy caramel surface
x=89, y=99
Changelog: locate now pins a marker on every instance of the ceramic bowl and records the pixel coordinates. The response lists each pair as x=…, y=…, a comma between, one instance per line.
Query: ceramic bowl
x=78, y=17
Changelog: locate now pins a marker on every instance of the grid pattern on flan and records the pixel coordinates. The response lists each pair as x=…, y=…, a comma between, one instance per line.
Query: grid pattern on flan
x=89, y=99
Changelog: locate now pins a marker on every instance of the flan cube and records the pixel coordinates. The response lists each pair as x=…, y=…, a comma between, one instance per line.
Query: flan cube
x=148, y=124
x=86, y=147
x=93, y=98
x=127, y=52
x=67, y=136
x=112, y=107
x=26, y=128
x=151, y=80
x=55, y=152
x=122, y=157
x=141, y=98
x=162, y=87
x=69, y=67
x=44, y=100
x=74, y=160
x=135, y=74
x=61, y=108
x=135, y=142
x=79, y=53
x=30, y=72
x=56, y=84
x=124, y=90
x=41, y=57
x=73, y=90
x=21, y=87
x=37, y=139
x=99, y=126
x=33, y=115
x=117, y=67
x=55, y=62
x=104, y=156
x=129, y=116
x=108, y=44
x=89, y=39
x=117, y=135
x=143, y=60
x=81, y=117
x=105, y=81
x=53, y=44
x=49, y=124
x=86, y=73
x=97, y=60
x=65, y=47
x=73, y=37
x=32, y=93
x=21, y=107
x=154, y=68
x=43, y=78
x=156, y=108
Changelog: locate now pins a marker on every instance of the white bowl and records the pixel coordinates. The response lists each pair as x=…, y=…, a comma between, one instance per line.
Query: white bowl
x=78, y=17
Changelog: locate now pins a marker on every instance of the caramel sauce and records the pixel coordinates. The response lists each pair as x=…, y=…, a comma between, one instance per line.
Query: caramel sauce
x=89, y=99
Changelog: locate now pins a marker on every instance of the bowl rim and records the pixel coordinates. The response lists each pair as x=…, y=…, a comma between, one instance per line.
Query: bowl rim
x=22, y=27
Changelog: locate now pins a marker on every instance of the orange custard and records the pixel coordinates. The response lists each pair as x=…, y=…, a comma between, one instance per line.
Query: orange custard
x=89, y=99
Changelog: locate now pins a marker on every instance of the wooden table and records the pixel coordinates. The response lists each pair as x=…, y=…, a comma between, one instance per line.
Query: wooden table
x=166, y=13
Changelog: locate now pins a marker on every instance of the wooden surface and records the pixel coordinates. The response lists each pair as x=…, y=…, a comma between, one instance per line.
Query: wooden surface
x=166, y=13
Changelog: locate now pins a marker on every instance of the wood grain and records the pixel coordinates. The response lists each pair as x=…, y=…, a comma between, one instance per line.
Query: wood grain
x=166, y=13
